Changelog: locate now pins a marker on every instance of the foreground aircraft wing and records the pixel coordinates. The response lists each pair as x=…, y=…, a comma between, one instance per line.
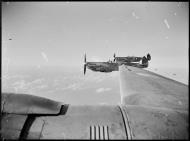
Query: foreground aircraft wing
x=31, y=117
x=156, y=107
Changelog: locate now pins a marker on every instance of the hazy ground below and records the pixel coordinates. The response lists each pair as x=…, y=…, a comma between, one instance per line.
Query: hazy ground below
x=70, y=85
x=67, y=85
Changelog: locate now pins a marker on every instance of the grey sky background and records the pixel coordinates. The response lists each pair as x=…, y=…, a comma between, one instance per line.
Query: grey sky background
x=52, y=37
x=58, y=33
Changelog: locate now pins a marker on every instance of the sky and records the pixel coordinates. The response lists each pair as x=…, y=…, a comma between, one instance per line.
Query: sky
x=59, y=33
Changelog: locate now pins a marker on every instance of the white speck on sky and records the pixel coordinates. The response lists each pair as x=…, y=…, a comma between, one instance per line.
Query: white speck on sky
x=179, y=4
x=44, y=56
x=166, y=22
x=134, y=15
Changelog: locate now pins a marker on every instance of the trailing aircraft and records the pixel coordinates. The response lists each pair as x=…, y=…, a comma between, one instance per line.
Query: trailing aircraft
x=132, y=61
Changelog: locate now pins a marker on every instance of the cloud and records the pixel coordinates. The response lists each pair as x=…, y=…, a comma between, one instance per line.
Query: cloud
x=42, y=86
x=19, y=85
x=37, y=81
x=44, y=56
x=103, y=103
x=23, y=86
x=74, y=86
x=100, y=90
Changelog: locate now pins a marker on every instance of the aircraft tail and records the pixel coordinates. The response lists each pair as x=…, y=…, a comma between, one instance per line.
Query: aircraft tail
x=148, y=57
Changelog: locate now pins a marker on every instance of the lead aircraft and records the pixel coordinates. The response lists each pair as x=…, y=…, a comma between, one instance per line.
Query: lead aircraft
x=152, y=107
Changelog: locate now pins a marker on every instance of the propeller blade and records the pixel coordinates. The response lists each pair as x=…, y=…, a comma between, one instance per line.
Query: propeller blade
x=114, y=55
x=84, y=69
x=85, y=58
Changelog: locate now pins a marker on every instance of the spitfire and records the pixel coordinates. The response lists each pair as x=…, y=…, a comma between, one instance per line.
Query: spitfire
x=109, y=66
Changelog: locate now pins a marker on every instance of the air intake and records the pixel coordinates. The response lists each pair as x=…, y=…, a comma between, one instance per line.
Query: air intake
x=98, y=132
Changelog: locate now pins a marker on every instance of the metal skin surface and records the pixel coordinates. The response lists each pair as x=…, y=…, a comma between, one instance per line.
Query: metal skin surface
x=142, y=87
x=102, y=66
x=128, y=59
x=11, y=125
x=28, y=104
x=152, y=107
x=157, y=123
x=78, y=121
x=132, y=61
x=156, y=107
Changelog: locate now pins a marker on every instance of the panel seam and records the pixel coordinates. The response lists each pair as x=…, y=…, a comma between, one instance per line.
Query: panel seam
x=126, y=123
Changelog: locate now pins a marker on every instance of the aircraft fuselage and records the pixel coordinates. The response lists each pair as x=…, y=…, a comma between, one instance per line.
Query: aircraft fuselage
x=128, y=59
x=102, y=66
x=132, y=61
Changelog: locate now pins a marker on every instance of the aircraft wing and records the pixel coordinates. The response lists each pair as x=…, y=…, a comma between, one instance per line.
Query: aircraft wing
x=30, y=117
x=156, y=107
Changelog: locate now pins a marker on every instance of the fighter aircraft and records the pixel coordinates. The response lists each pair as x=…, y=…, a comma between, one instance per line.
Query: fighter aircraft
x=108, y=66
x=131, y=61
x=152, y=107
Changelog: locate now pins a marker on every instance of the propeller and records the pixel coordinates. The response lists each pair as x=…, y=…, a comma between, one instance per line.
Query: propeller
x=84, y=63
x=148, y=57
x=114, y=56
x=84, y=69
x=85, y=58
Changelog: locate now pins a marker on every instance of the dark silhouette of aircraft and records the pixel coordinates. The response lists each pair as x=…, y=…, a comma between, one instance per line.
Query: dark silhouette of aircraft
x=152, y=107
x=132, y=61
x=110, y=66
